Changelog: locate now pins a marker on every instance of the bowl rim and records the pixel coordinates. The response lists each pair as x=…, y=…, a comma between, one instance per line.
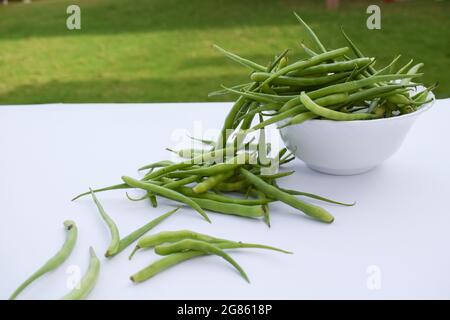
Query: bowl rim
x=422, y=109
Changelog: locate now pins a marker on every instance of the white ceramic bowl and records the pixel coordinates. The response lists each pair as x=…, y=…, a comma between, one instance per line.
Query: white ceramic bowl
x=348, y=147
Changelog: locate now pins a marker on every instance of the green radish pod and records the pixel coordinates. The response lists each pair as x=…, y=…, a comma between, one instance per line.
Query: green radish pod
x=115, y=237
x=138, y=233
x=56, y=260
x=166, y=193
x=87, y=283
x=332, y=114
x=275, y=193
x=196, y=245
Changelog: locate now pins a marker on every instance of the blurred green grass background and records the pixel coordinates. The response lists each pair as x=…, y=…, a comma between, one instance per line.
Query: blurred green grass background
x=160, y=50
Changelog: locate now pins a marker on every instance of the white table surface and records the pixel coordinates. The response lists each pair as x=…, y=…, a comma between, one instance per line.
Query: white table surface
x=398, y=234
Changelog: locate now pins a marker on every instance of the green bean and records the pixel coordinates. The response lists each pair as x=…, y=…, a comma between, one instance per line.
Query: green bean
x=292, y=101
x=153, y=240
x=356, y=84
x=266, y=107
x=332, y=114
x=133, y=236
x=299, y=108
x=223, y=91
x=299, y=65
x=114, y=231
x=327, y=100
x=277, y=118
x=163, y=264
x=114, y=187
x=205, y=141
x=176, y=258
x=212, y=181
x=398, y=99
x=238, y=245
x=308, y=51
x=299, y=81
x=152, y=197
x=389, y=66
x=187, y=153
x=136, y=199
x=362, y=72
x=262, y=150
x=171, y=184
x=163, y=163
x=88, y=281
x=422, y=95
x=165, y=170
x=272, y=99
x=273, y=192
x=155, y=182
x=282, y=152
x=217, y=155
x=283, y=63
x=276, y=175
x=338, y=66
x=247, y=211
x=229, y=120
x=401, y=99
x=390, y=93
x=232, y=186
x=421, y=98
x=167, y=193
x=214, y=155
x=353, y=75
x=233, y=178
x=251, y=95
x=244, y=110
x=285, y=90
x=311, y=33
x=413, y=70
x=220, y=198
x=300, y=118
x=287, y=159
x=56, y=260
x=227, y=166
x=314, y=196
x=263, y=197
x=157, y=239
x=205, y=247
x=406, y=66
x=356, y=50
x=275, y=63
x=245, y=62
x=283, y=160
x=393, y=66
x=200, y=172
x=372, y=92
